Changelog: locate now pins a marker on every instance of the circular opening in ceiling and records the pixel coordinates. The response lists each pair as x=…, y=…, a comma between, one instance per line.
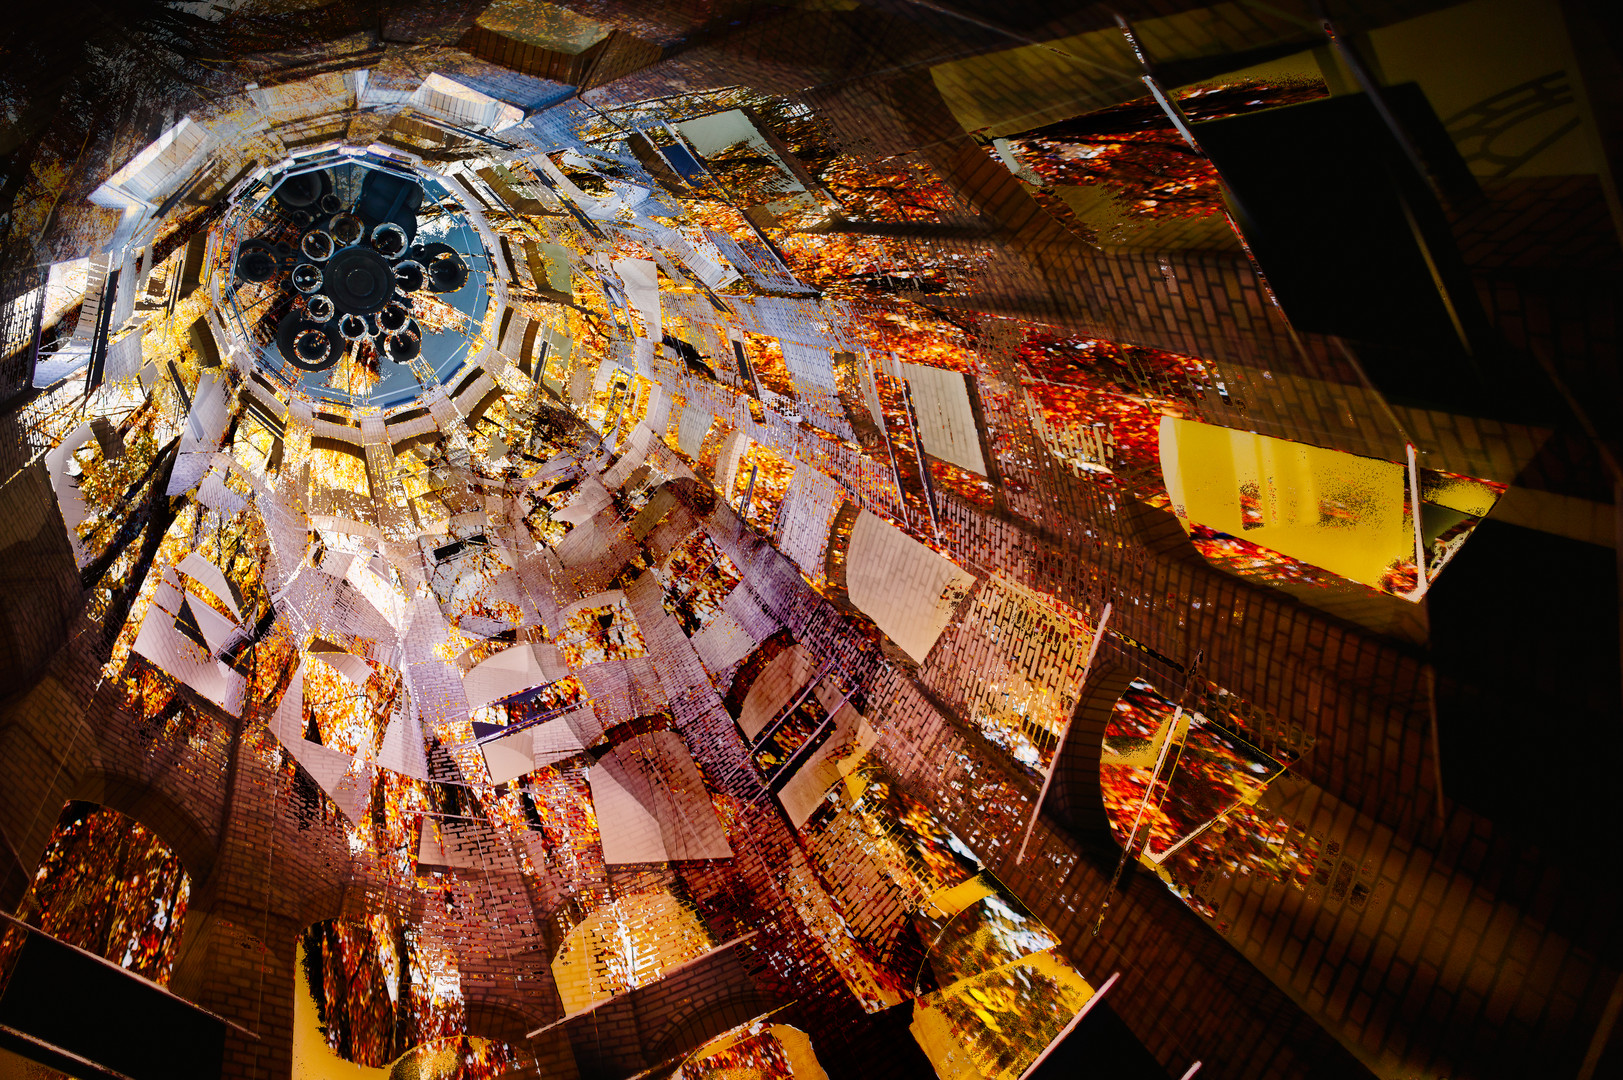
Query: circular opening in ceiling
x=384, y=247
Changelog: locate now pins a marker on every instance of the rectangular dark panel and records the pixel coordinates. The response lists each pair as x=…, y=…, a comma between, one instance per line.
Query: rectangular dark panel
x=202, y=339
x=1352, y=240
x=191, y=273
x=526, y=350
x=76, y=1004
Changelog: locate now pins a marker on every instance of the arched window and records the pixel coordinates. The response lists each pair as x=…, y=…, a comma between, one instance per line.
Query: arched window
x=109, y=885
x=379, y=994
x=1293, y=514
x=1189, y=794
x=628, y=942
x=991, y=986
x=697, y=578
x=756, y=1049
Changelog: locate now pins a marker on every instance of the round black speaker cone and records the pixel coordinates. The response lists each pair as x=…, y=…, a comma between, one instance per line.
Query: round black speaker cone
x=306, y=345
x=317, y=245
x=409, y=276
x=311, y=345
x=389, y=240
x=307, y=277
x=393, y=317
x=404, y=347
x=346, y=229
x=447, y=273
x=300, y=191
x=359, y=280
x=256, y=264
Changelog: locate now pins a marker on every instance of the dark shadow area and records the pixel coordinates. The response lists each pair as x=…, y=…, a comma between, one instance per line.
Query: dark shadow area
x=1525, y=636
x=1100, y=1046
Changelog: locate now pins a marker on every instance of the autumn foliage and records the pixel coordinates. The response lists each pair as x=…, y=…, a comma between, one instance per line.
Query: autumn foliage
x=107, y=884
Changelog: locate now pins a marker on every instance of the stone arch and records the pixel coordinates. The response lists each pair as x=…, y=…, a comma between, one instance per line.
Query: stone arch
x=141, y=802
x=1075, y=797
x=728, y=457
x=705, y=1020
x=359, y=1023
x=494, y=1027
x=838, y=545
x=717, y=446
x=750, y=669
x=775, y=688
x=487, y=1019
x=1200, y=790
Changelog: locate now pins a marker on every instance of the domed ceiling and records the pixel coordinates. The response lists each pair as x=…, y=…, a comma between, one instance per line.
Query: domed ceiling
x=357, y=280
x=430, y=433
x=604, y=538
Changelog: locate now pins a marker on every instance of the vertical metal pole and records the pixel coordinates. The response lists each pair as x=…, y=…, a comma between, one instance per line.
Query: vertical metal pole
x=1419, y=537
x=749, y=494
x=918, y=452
x=890, y=448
